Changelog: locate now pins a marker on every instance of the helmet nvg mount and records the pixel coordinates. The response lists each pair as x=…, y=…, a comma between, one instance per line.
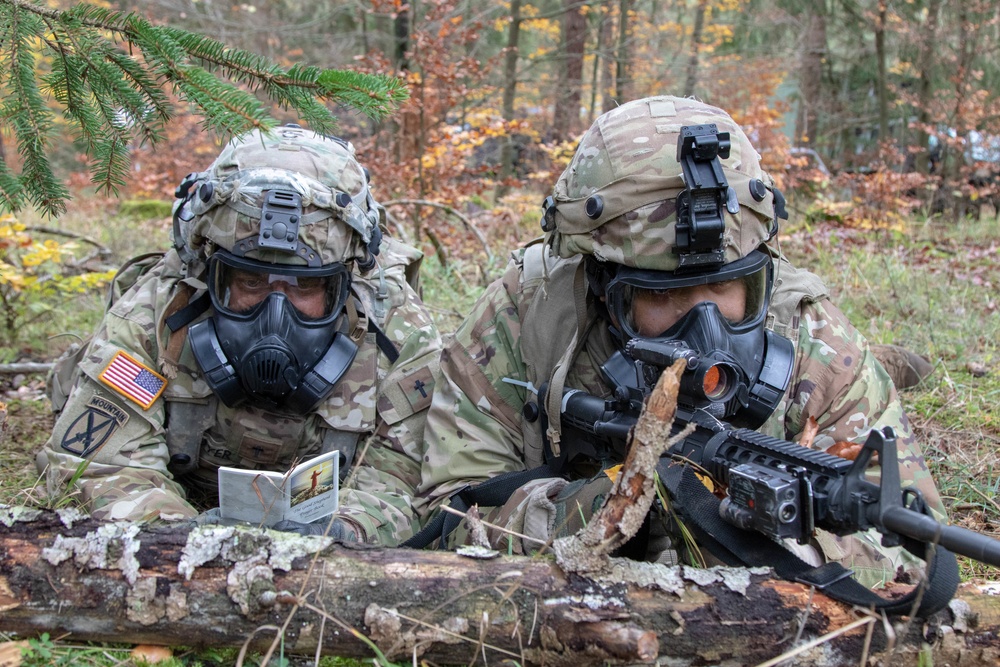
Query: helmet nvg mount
x=663, y=194
x=279, y=218
x=320, y=210
x=617, y=200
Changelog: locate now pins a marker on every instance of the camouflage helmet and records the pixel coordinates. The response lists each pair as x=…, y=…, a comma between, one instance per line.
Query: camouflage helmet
x=616, y=200
x=288, y=196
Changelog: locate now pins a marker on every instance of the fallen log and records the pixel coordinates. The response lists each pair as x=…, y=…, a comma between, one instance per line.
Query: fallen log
x=226, y=586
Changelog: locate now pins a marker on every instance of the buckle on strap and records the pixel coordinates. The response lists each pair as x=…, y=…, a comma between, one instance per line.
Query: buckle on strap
x=824, y=576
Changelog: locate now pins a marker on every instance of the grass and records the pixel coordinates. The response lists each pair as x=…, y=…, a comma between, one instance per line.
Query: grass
x=931, y=288
x=29, y=426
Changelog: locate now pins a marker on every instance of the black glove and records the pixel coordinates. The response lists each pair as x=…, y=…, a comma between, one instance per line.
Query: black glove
x=340, y=530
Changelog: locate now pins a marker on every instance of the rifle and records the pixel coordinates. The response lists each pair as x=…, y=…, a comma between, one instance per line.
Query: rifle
x=775, y=487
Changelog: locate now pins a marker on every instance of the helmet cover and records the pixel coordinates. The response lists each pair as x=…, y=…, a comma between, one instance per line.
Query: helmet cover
x=337, y=216
x=616, y=199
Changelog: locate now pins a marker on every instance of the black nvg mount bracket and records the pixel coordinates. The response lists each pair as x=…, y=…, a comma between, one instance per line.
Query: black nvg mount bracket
x=701, y=207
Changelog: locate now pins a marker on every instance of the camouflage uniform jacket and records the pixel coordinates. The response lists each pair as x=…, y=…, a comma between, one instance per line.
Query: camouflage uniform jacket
x=475, y=428
x=378, y=405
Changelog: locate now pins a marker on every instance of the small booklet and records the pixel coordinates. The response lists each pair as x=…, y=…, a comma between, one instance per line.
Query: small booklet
x=305, y=493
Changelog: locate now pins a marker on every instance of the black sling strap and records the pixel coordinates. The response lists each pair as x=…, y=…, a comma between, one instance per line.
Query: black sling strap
x=383, y=341
x=738, y=547
x=189, y=313
x=493, y=492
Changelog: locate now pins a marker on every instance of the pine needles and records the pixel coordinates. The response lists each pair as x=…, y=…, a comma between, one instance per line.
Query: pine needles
x=108, y=74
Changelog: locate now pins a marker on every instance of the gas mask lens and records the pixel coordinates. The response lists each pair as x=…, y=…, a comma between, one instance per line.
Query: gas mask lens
x=240, y=285
x=647, y=303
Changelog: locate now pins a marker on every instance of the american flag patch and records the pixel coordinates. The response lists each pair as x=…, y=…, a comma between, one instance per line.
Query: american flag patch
x=133, y=380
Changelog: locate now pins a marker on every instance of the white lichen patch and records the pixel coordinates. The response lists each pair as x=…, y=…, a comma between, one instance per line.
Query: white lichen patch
x=204, y=543
x=286, y=547
x=700, y=576
x=962, y=612
x=647, y=575
x=990, y=588
x=736, y=579
x=141, y=603
x=479, y=553
x=111, y=547
x=253, y=553
x=246, y=581
x=594, y=601
x=71, y=515
x=11, y=514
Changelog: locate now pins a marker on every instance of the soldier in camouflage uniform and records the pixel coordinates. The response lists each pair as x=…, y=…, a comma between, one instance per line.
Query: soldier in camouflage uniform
x=607, y=272
x=281, y=325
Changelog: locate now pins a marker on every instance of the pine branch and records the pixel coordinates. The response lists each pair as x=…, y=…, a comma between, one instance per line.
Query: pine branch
x=111, y=165
x=110, y=71
x=31, y=121
x=11, y=192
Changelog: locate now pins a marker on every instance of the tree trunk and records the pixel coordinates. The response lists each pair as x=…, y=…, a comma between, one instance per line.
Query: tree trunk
x=566, y=116
x=223, y=586
x=605, y=39
x=507, y=153
x=623, y=87
x=811, y=76
x=953, y=168
x=882, y=83
x=928, y=51
x=692, y=68
x=401, y=39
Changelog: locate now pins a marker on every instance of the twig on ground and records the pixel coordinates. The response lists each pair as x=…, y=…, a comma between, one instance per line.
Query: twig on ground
x=103, y=249
x=452, y=510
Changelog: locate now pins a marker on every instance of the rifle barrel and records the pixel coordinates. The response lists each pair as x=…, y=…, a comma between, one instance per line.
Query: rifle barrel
x=954, y=538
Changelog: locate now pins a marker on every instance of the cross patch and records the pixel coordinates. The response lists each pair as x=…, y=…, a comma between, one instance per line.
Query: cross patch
x=418, y=388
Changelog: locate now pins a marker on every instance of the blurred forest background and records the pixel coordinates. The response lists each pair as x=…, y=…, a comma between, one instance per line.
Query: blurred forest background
x=891, y=106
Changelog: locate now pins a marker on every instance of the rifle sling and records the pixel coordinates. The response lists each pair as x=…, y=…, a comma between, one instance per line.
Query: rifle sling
x=494, y=492
x=737, y=547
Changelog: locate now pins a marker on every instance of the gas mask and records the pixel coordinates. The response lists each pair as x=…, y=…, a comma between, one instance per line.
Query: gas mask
x=275, y=339
x=736, y=370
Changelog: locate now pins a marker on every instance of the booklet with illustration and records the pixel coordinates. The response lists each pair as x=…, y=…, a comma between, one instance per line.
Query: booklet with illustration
x=305, y=493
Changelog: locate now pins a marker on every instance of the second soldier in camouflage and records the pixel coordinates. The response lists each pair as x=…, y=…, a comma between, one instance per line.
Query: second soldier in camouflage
x=608, y=271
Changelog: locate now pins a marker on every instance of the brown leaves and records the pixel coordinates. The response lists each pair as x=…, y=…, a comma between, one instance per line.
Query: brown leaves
x=845, y=450
x=842, y=448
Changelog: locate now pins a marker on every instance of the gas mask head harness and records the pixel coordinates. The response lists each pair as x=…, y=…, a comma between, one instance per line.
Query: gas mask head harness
x=736, y=369
x=279, y=245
